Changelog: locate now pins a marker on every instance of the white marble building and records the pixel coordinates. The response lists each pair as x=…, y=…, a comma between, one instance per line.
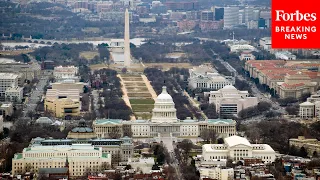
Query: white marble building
x=80, y=158
x=14, y=94
x=165, y=122
x=204, y=77
x=310, y=108
x=236, y=148
x=218, y=173
x=62, y=73
x=230, y=101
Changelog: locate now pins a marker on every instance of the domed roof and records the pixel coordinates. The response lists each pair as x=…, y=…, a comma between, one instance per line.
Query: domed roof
x=229, y=87
x=44, y=120
x=307, y=103
x=82, y=130
x=164, y=96
x=82, y=127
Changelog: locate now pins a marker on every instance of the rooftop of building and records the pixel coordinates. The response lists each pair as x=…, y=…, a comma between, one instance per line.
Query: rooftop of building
x=8, y=61
x=6, y=105
x=235, y=141
x=14, y=89
x=44, y=120
x=107, y=121
x=39, y=139
x=65, y=69
x=220, y=121
x=8, y=76
x=82, y=128
x=73, y=94
x=307, y=103
x=68, y=81
x=55, y=148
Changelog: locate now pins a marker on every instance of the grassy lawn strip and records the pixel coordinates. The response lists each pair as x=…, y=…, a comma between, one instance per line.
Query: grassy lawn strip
x=143, y=95
x=142, y=107
x=141, y=101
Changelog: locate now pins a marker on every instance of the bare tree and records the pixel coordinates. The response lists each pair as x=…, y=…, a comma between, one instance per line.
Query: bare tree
x=186, y=145
x=31, y=114
x=208, y=135
x=127, y=131
x=170, y=172
x=104, y=166
x=115, y=133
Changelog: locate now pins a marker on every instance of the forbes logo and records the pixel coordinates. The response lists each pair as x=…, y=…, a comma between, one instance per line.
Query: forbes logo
x=281, y=15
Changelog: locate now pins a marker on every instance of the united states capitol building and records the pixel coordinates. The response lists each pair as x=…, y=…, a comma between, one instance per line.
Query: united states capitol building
x=164, y=123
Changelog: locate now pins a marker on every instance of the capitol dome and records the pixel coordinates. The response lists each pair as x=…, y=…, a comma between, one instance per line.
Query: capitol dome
x=164, y=96
x=164, y=108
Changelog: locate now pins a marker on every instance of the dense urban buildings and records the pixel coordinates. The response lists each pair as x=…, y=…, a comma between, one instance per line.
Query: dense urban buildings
x=231, y=17
x=14, y=94
x=99, y=106
x=219, y=173
x=7, y=81
x=285, y=78
x=6, y=109
x=25, y=71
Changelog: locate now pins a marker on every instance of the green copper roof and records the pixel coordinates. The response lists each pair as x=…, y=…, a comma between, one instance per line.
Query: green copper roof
x=18, y=156
x=220, y=121
x=107, y=121
x=105, y=155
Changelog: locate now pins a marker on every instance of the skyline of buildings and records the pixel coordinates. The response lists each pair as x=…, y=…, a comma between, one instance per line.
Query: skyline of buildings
x=123, y=142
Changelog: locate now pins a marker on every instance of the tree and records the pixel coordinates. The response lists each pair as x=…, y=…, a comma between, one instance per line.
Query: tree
x=127, y=131
x=220, y=141
x=159, y=152
x=189, y=172
x=186, y=145
x=31, y=114
x=170, y=172
x=124, y=70
x=286, y=101
x=209, y=110
x=314, y=163
x=128, y=167
x=304, y=97
x=105, y=166
x=315, y=154
x=263, y=106
x=208, y=135
x=114, y=133
x=303, y=152
x=292, y=110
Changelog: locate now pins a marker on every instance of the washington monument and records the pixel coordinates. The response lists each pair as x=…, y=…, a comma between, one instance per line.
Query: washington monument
x=127, y=55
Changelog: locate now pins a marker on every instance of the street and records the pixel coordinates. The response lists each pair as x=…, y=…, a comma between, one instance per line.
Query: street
x=37, y=94
x=255, y=92
x=95, y=96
